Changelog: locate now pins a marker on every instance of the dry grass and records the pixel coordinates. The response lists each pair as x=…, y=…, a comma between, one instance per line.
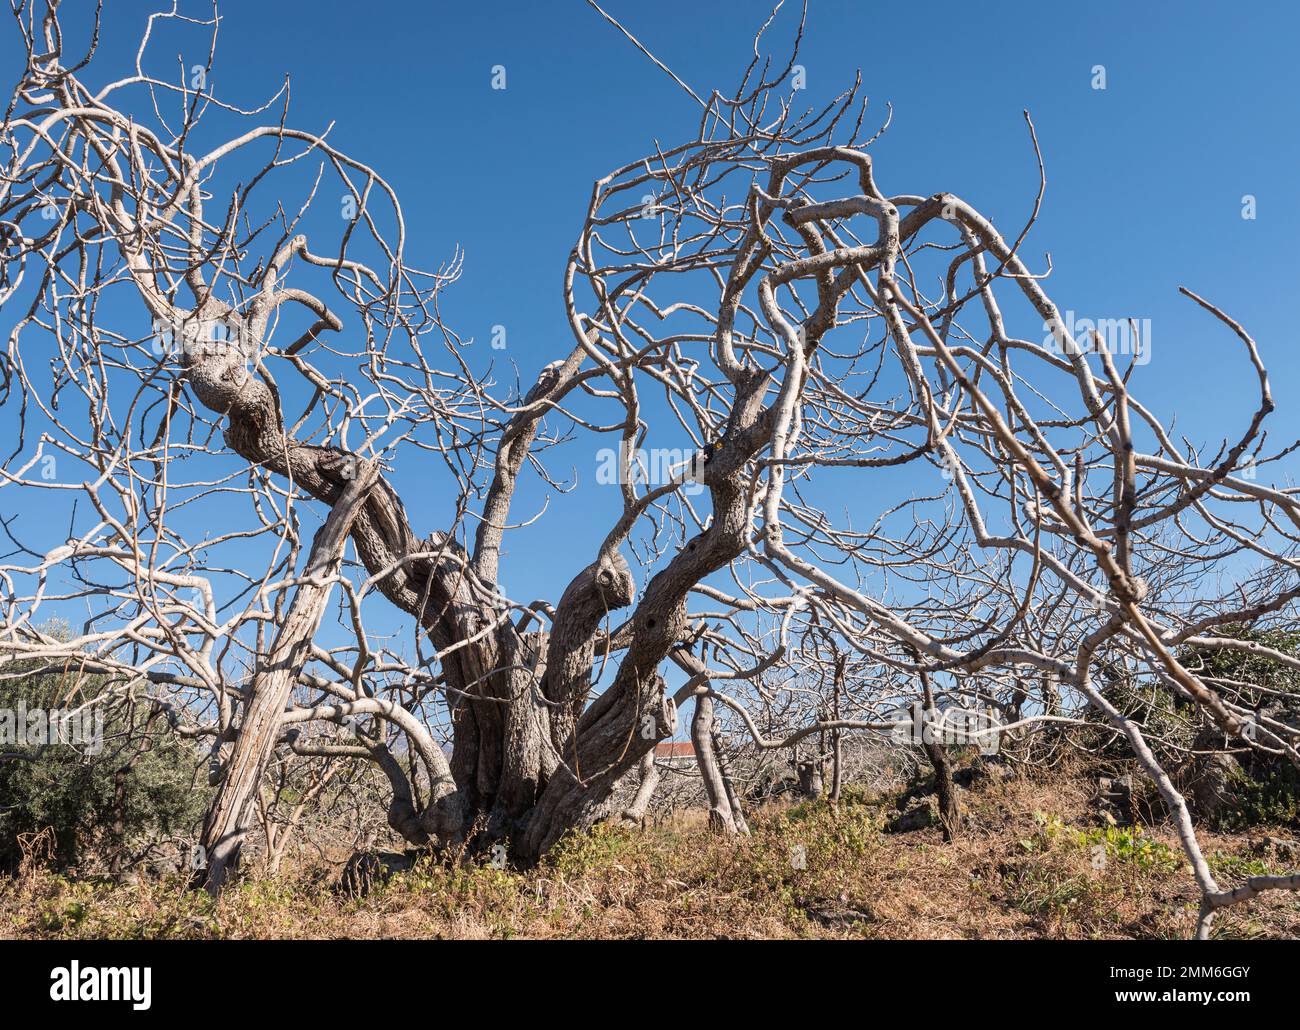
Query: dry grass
x=1024, y=869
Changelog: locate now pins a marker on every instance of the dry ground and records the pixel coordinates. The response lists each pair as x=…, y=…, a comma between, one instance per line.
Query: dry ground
x=1035, y=862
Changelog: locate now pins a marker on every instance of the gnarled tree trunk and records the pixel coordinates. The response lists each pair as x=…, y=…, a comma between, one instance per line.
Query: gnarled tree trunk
x=231, y=810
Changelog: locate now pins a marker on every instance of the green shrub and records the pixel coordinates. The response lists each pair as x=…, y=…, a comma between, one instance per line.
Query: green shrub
x=100, y=806
x=1270, y=796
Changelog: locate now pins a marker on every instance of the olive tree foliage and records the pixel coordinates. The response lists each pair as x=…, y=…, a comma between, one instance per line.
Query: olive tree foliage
x=197, y=338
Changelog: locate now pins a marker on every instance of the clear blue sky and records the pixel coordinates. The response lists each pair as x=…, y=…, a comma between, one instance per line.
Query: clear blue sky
x=1145, y=178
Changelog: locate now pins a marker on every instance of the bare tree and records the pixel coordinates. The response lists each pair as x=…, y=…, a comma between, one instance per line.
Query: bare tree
x=748, y=303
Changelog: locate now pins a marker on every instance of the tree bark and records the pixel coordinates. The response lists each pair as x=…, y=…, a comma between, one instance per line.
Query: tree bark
x=636, y=811
x=720, y=817
x=728, y=784
x=809, y=771
x=944, y=787
x=229, y=815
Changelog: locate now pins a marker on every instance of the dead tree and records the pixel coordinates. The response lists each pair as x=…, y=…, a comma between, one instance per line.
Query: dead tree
x=803, y=326
x=268, y=693
x=941, y=763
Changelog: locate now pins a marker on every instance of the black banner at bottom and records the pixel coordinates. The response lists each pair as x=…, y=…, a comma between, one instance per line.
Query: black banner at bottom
x=148, y=980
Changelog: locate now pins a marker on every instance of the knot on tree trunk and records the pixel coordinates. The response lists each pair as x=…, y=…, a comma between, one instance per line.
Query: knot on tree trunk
x=604, y=585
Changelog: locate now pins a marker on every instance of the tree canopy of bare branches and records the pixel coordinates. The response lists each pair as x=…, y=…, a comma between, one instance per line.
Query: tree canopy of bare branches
x=234, y=377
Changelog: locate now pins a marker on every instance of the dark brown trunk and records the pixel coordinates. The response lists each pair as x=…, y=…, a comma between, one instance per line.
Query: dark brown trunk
x=941, y=763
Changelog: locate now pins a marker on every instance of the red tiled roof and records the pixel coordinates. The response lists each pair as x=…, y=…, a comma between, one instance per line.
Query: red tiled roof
x=674, y=749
